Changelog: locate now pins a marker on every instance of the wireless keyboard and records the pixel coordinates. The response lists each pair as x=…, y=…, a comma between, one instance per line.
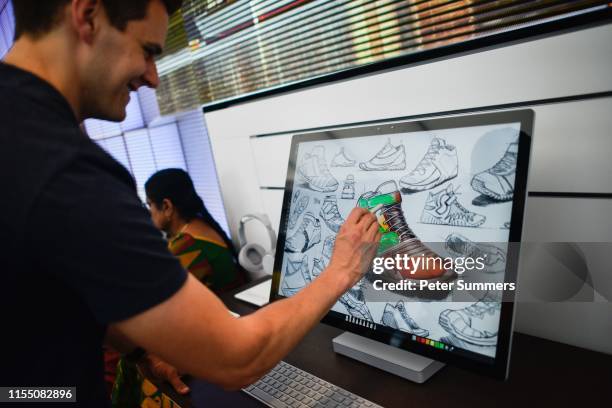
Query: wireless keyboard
x=288, y=386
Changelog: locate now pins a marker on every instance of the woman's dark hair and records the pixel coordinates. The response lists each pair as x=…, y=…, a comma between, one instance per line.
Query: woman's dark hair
x=176, y=185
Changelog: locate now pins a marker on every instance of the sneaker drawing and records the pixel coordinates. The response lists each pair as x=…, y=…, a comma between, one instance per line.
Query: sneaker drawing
x=306, y=236
x=439, y=164
x=388, y=158
x=398, y=237
x=493, y=257
x=398, y=318
x=299, y=205
x=313, y=172
x=498, y=181
x=443, y=208
x=330, y=214
x=342, y=160
x=348, y=190
x=475, y=324
x=296, y=276
x=319, y=264
x=355, y=304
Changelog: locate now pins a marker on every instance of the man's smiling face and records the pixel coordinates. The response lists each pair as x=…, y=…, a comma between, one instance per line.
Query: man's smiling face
x=122, y=61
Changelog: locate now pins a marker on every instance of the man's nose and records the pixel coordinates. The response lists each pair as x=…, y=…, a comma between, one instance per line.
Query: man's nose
x=150, y=77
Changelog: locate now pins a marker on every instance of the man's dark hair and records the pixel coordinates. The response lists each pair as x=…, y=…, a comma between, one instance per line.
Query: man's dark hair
x=36, y=17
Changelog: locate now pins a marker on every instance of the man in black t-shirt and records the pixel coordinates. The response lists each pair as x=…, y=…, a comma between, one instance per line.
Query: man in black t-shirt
x=81, y=261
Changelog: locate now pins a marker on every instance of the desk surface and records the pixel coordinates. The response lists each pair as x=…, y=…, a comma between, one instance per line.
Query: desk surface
x=541, y=372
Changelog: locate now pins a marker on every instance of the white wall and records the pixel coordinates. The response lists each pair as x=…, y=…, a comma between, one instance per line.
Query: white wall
x=572, y=143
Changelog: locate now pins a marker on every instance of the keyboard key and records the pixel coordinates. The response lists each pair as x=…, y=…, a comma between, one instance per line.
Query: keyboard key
x=287, y=386
x=338, y=398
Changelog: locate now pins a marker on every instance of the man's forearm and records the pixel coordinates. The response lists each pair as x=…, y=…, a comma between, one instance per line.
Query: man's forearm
x=279, y=327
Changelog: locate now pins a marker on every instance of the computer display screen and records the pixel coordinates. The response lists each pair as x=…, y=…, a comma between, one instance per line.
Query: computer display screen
x=443, y=190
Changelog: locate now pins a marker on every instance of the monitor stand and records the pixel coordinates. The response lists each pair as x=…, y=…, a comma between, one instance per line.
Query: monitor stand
x=396, y=361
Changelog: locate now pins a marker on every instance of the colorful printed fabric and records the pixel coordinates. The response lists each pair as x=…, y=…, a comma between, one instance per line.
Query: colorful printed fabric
x=209, y=261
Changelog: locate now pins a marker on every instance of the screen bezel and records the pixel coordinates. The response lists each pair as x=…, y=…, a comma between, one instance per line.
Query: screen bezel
x=495, y=367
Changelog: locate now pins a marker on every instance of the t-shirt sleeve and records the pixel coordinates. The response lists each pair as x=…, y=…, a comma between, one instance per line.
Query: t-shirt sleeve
x=90, y=230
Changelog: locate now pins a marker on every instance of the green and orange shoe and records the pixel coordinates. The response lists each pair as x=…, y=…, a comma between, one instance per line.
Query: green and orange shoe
x=398, y=237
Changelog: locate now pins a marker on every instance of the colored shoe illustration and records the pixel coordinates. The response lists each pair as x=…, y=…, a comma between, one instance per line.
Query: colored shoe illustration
x=493, y=257
x=443, y=208
x=355, y=304
x=388, y=158
x=296, y=276
x=475, y=324
x=313, y=172
x=330, y=214
x=439, y=164
x=298, y=206
x=498, y=181
x=398, y=318
x=398, y=237
x=348, y=190
x=342, y=160
x=319, y=264
x=306, y=236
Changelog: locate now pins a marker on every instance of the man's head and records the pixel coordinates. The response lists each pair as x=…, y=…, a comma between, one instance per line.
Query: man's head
x=111, y=43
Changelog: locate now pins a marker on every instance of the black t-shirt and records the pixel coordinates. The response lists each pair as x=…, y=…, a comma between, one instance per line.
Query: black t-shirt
x=77, y=249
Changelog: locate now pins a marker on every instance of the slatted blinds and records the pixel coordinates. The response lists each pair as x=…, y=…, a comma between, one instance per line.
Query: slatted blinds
x=223, y=49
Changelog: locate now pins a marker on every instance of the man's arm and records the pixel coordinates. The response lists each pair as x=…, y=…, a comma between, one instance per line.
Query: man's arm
x=193, y=330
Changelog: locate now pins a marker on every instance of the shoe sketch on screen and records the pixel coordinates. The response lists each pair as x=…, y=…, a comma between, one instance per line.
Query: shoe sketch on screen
x=497, y=182
x=475, y=324
x=494, y=258
x=444, y=208
x=437, y=166
x=306, y=236
x=341, y=159
x=313, y=172
x=355, y=303
x=330, y=214
x=397, y=317
x=296, y=276
x=388, y=158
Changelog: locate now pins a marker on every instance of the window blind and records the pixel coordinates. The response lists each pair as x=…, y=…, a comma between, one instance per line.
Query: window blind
x=225, y=49
x=7, y=26
x=167, y=148
x=201, y=164
x=141, y=158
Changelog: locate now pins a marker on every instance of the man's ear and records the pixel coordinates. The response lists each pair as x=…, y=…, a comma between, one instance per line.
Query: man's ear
x=85, y=15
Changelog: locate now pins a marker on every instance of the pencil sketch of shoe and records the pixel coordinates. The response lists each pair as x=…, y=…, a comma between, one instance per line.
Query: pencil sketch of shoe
x=313, y=172
x=475, y=324
x=300, y=202
x=348, y=190
x=493, y=257
x=439, y=164
x=443, y=208
x=319, y=264
x=398, y=318
x=330, y=214
x=296, y=276
x=355, y=304
x=306, y=236
x=397, y=236
x=342, y=160
x=498, y=181
x=388, y=158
